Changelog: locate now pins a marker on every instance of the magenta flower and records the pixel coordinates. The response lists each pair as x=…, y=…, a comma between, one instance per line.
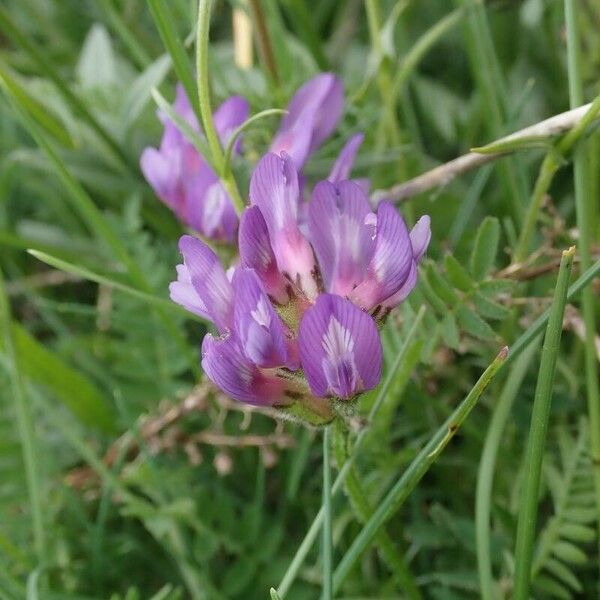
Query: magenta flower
x=184, y=181
x=312, y=116
x=298, y=319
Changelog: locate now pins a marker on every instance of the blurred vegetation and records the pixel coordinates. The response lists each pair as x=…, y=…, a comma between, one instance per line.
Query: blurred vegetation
x=123, y=476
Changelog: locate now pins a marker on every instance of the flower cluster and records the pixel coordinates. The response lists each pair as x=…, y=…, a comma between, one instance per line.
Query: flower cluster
x=297, y=318
x=184, y=181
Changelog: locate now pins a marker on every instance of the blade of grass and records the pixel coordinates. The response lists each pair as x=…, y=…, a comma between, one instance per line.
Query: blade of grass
x=85, y=273
x=487, y=465
x=301, y=18
x=486, y=70
x=537, y=435
x=586, y=208
x=313, y=531
x=416, y=470
x=264, y=40
x=165, y=23
x=13, y=33
x=25, y=427
x=327, y=569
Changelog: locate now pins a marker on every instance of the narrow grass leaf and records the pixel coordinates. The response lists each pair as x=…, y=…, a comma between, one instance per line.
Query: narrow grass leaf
x=485, y=248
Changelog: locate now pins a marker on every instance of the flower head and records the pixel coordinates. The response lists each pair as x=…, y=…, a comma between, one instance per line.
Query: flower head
x=181, y=177
x=298, y=319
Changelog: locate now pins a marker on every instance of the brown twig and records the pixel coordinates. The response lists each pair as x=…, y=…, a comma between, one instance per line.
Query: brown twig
x=264, y=41
x=444, y=174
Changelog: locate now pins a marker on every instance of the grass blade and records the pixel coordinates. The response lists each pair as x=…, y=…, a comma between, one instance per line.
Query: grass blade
x=537, y=434
x=25, y=426
x=586, y=209
x=416, y=470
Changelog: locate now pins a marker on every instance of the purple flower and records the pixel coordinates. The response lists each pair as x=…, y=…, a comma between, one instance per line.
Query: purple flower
x=184, y=181
x=312, y=116
x=298, y=320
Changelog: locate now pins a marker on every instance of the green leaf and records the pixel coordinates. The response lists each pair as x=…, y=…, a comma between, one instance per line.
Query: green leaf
x=139, y=92
x=72, y=388
x=457, y=274
x=562, y=572
x=436, y=302
x=490, y=309
x=450, y=331
x=474, y=325
x=577, y=532
x=274, y=594
x=552, y=587
x=96, y=67
x=494, y=287
x=485, y=248
x=570, y=553
x=440, y=286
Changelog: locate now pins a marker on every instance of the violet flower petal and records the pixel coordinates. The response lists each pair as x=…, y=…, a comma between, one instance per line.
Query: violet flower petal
x=226, y=366
x=340, y=234
x=183, y=293
x=343, y=165
x=340, y=349
x=209, y=280
x=256, y=253
x=257, y=326
x=420, y=235
x=274, y=189
x=229, y=116
x=312, y=116
x=391, y=261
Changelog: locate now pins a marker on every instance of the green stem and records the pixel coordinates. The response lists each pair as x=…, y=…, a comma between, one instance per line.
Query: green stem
x=313, y=531
x=487, y=465
x=218, y=158
x=25, y=428
x=327, y=542
x=363, y=510
x=585, y=207
x=538, y=431
x=416, y=470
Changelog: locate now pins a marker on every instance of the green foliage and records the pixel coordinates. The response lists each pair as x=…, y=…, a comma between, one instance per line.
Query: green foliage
x=141, y=483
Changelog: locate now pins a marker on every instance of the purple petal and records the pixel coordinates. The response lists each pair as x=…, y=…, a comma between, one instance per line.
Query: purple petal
x=420, y=235
x=274, y=189
x=256, y=253
x=343, y=165
x=340, y=349
x=229, y=116
x=312, y=116
x=209, y=280
x=340, y=234
x=226, y=366
x=183, y=293
x=257, y=325
x=391, y=261
x=162, y=173
x=406, y=288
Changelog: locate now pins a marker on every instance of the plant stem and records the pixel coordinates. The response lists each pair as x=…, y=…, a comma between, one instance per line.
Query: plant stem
x=313, y=531
x=264, y=40
x=585, y=207
x=485, y=474
x=416, y=470
x=206, y=115
x=538, y=430
x=25, y=427
x=327, y=542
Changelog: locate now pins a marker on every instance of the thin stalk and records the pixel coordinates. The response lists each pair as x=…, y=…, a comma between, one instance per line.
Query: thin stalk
x=416, y=470
x=536, y=443
x=264, y=40
x=311, y=535
x=395, y=561
x=218, y=158
x=25, y=428
x=586, y=212
x=487, y=465
x=327, y=571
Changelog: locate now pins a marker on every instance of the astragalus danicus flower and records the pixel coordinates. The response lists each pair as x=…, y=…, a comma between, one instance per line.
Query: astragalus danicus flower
x=297, y=319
